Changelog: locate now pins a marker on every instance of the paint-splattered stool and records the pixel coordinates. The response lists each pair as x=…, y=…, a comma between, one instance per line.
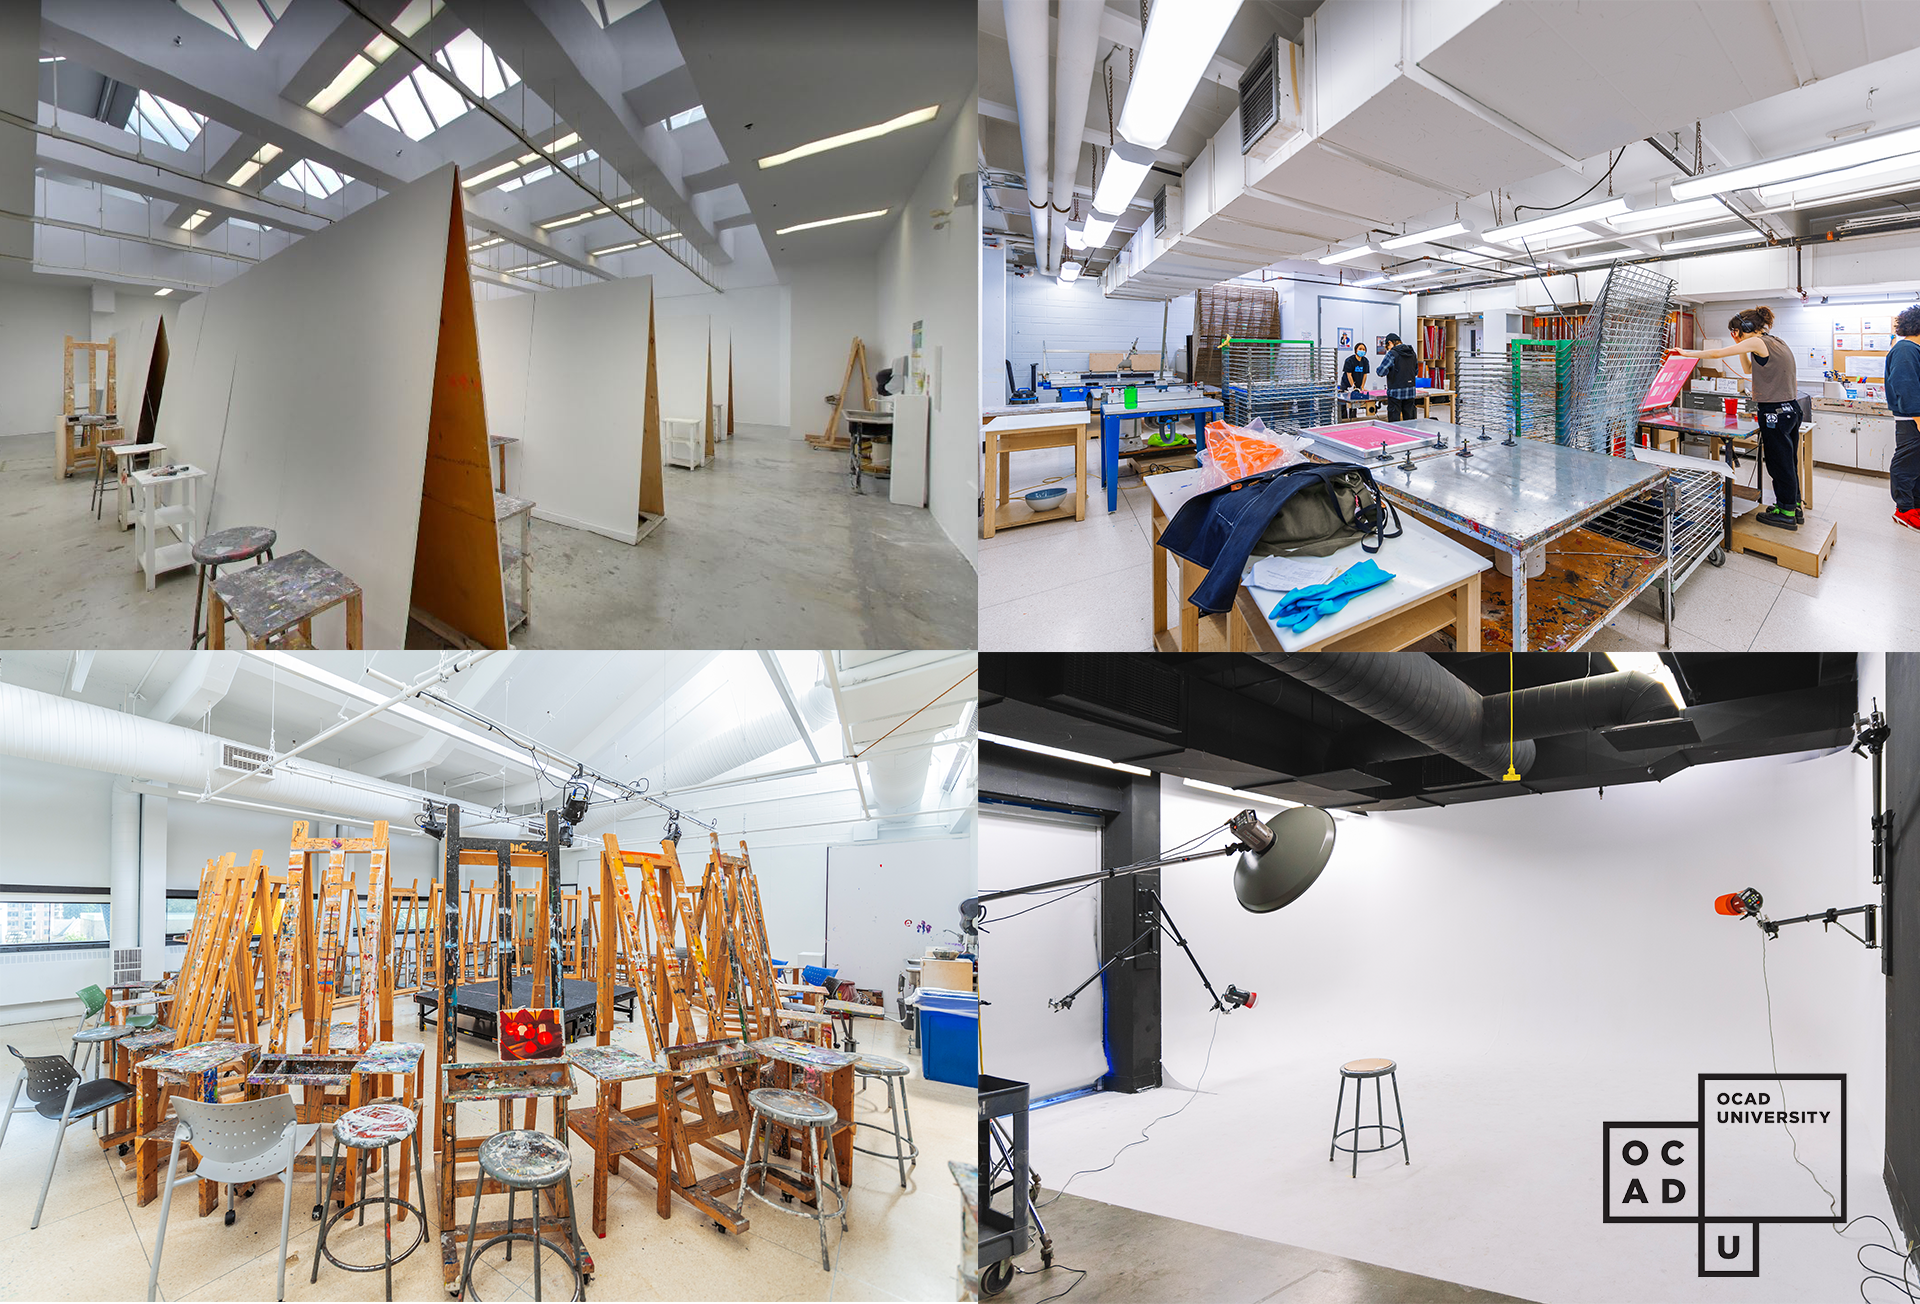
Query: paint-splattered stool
x=226, y=548
x=1360, y=1070
x=525, y=1161
x=903, y=1151
x=372, y=1127
x=814, y=1120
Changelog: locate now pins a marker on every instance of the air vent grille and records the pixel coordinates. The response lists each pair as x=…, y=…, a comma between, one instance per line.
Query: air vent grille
x=1259, y=97
x=126, y=965
x=245, y=759
x=1160, y=213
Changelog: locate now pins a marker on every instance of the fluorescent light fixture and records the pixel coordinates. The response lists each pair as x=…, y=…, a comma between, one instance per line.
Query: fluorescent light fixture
x=534, y=267
x=571, y=138
x=58, y=58
x=1667, y=216
x=500, y=171
x=1516, y=231
x=1236, y=793
x=1062, y=753
x=486, y=244
x=1503, y=255
x=195, y=220
x=1707, y=241
x=1606, y=257
x=1833, y=158
x=1842, y=177
x=251, y=168
x=1179, y=42
x=1425, y=237
x=1069, y=272
x=1415, y=274
x=1127, y=166
x=1372, y=280
x=833, y=221
x=821, y=146
x=1651, y=663
x=571, y=218
x=358, y=69
x=1076, y=237
x=161, y=294
x=616, y=249
x=1346, y=254
x=1096, y=230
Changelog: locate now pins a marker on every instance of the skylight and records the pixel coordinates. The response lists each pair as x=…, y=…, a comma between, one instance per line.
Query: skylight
x=576, y=161
x=316, y=179
x=421, y=103
x=244, y=20
x=698, y=113
x=163, y=121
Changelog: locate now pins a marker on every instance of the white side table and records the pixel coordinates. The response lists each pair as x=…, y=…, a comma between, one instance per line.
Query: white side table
x=123, y=459
x=157, y=511
x=686, y=443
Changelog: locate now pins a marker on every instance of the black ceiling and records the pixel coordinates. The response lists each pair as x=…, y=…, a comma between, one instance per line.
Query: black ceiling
x=1230, y=719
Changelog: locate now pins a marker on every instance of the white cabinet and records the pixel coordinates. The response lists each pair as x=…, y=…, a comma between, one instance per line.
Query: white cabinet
x=1874, y=450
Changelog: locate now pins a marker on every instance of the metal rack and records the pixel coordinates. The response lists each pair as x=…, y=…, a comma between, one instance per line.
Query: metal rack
x=1620, y=348
x=1291, y=381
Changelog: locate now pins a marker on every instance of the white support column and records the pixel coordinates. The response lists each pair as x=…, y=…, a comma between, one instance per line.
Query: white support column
x=153, y=885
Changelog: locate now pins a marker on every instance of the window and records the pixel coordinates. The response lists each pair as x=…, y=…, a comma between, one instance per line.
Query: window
x=244, y=20
x=421, y=102
x=698, y=113
x=163, y=121
x=316, y=179
x=575, y=162
x=181, y=905
x=28, y=923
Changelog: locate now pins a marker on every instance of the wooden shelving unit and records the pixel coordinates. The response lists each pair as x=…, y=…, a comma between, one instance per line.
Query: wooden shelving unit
x=1437, y=345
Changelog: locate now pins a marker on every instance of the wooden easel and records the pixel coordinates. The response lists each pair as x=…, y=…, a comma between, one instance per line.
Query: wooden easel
x=856, y=356
x=80, y=444
x=737, y=933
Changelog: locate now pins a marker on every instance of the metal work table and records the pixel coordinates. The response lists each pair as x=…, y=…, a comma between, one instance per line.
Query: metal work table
x=1519, y=498
x=1151, y=404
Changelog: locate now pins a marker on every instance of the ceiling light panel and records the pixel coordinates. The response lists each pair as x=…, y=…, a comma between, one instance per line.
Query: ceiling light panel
x=854, y=137
x=1516, y=231
x=1708, y=241
x=1346, y=254
x=1425, y=237
x=834, y=221
x=1175, y=49
x=1833, y=158
x=1666, y=216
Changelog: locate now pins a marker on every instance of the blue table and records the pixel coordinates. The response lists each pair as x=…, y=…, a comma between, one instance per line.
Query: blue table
x=1112, y=413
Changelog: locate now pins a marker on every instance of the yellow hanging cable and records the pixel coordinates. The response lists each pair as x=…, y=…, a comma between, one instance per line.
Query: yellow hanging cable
x=1512, y=775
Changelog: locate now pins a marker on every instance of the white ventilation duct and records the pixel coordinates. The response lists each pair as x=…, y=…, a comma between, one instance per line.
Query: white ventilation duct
x=1027, y=47
x=1072, y=82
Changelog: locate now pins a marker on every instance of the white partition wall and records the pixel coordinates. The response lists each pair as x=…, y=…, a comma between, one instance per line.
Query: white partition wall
x=878, y=895
x=684, y=328
x=565, y=373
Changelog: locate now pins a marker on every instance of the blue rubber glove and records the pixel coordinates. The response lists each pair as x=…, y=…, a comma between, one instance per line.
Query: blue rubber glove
x=1300, y=608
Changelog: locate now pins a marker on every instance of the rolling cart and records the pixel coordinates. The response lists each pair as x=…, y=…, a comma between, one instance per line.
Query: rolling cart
x=1006, y=1233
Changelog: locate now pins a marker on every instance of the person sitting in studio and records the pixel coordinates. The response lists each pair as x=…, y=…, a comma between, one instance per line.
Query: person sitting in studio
x=1353, y=372
x=1399, y=366
x=1903, y=400
x=1776, y=401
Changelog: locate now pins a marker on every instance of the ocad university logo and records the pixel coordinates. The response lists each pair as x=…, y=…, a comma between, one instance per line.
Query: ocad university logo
x=1775, y=1145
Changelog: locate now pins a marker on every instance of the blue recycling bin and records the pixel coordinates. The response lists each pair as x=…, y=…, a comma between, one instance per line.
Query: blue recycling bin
x=950, y=1036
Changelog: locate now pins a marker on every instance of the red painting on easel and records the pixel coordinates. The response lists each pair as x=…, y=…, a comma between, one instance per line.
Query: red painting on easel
x=531, y=1034
x=1666, y=385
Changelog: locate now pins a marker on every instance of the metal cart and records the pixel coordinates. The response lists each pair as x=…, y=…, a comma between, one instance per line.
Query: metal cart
x=1007, y=1182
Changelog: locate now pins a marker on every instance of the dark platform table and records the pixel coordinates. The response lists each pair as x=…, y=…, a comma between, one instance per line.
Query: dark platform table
x=480, y=1002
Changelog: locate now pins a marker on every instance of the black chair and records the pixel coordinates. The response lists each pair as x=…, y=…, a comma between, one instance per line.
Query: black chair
x=57, y=1090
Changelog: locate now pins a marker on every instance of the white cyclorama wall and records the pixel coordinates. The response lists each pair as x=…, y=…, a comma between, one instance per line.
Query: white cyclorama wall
x=831, y=303
x=1028, y=959
x=34, y=323
x=1073, y=318
x=58, y=836
x=304, y=386
x=1537, y=966
x=878, y=894
x=565, y=373
x=927, y=274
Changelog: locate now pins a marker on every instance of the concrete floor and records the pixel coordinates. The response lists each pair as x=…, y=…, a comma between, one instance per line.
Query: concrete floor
x=1130, y=1255
x=764, y=547
x=94, y=1243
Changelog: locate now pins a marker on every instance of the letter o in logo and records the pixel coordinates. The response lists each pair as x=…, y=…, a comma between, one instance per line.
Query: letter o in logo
x=1626, y=1152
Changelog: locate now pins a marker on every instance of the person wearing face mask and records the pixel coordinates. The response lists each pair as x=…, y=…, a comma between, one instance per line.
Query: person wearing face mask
x=1776, y=401
x=1353, y=372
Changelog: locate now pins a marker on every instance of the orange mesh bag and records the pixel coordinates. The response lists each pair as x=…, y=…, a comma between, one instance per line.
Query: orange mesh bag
x=1237, y=452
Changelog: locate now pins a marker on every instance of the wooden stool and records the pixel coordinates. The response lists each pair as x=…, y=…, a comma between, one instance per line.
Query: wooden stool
x=372, y=1127
x=814, y=1119
x=226, y=548
x=269, y=602
x=1360, y=1070
x=525, y=1161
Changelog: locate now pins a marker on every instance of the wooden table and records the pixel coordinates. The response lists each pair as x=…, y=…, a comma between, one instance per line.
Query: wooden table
x=819, y=1071
x=1003, y=436
x=123, y=455
x=1374, y=398
x=612, y=1132
x=1436, y=584
x=285, y=594
x=154, y=514
x=198, y=1067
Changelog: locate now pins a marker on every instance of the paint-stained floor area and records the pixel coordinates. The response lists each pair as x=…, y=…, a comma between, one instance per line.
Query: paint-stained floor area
x=765, y=546
x=1129, y=1255
x=95, y=1243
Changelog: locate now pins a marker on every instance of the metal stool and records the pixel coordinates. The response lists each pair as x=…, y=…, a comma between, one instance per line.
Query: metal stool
x=94, y=1039
x=525, y=1161
x=225, y=548
x=372, y=1127
x=905, y=1152
x=814, y=1119
x=101, y=477
x=1360, y=1070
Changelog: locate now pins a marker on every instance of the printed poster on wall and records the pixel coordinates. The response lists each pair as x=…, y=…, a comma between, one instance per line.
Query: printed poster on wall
x=1344, y=338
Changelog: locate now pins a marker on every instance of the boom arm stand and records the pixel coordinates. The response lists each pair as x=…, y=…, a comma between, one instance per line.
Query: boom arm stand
x=1166, y=920
x=1772, y=927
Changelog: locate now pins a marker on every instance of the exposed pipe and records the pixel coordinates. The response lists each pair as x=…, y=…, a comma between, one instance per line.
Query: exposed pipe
x=1577, y=705
x=1072, y=83
x=1027, y=48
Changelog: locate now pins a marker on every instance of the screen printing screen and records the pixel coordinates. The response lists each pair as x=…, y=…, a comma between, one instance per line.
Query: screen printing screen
x=1370, y=438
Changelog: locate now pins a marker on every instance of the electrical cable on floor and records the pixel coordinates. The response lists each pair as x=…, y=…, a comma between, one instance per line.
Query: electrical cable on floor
x=1193, y=1095
x=1907, y=1285
x=1833, y=1202
x=1035, y=1272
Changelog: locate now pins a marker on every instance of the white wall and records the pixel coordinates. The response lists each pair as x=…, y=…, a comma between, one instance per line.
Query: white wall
x=993, y=328
x=1536, y=965
x=1318, y=311
x=929, y=275
x=57, y=835
x=757, y=321
x=34, y=321
x=831, y=303
x=877, y=895
x=1074, y=319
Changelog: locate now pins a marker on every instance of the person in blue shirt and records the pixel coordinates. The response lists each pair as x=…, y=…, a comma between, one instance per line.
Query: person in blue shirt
x=1903, y=400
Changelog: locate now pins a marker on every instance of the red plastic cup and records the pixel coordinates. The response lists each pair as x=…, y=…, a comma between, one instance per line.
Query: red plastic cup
x=1732, y=405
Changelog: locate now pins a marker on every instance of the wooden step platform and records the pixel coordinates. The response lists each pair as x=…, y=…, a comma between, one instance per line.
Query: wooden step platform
x=1805, y=549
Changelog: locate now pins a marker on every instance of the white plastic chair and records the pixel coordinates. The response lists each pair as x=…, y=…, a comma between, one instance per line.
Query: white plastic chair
x=238, y=1144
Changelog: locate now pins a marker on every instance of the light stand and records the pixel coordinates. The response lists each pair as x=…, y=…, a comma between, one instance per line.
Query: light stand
x=1746, y=904
x=1870, y=735
x=1233, y=1000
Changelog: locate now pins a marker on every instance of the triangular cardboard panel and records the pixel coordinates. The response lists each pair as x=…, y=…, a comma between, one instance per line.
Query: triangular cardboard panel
x=653, y=488
x=729, y=387
x=144, y=355
x=456, y=560
x=706, y=408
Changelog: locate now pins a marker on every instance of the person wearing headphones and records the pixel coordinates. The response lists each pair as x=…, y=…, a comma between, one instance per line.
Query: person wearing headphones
x=1776, y=400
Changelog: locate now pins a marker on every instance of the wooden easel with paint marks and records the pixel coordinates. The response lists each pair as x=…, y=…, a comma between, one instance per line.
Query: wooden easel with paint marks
x=341, y=921
x=737, y=938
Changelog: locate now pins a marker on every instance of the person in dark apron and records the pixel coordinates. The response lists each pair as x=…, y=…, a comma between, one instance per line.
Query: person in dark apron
x=1776, y=402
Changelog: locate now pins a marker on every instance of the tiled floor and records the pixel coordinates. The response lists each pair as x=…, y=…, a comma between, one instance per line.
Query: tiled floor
x=1086, y=586
x=94, y=1243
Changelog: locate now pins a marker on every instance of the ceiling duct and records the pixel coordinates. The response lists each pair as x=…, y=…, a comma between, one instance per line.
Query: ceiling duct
x=1027, y=48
